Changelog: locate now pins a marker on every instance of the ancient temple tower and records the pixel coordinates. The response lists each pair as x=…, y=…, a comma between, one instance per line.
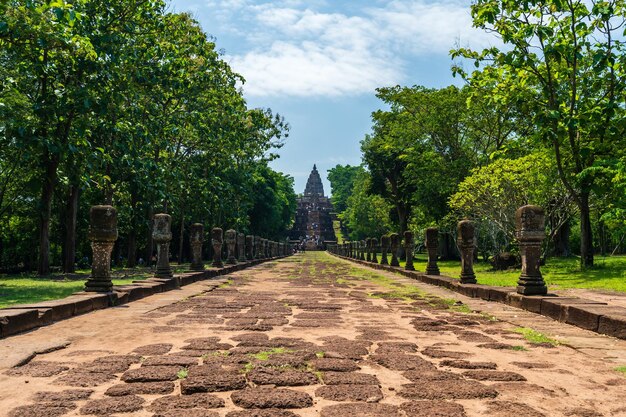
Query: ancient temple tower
x=314, y=223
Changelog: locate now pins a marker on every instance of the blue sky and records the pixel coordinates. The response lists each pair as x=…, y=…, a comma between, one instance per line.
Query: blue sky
x=318, y=63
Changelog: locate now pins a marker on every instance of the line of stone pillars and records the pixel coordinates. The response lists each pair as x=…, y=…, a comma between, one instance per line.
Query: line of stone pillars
x=239, y=247
x=530, y=233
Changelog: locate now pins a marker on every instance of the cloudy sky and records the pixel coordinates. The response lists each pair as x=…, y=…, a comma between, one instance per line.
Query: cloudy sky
x=318, y=63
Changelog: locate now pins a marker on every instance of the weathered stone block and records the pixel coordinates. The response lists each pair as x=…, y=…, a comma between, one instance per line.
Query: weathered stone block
x=17, y=321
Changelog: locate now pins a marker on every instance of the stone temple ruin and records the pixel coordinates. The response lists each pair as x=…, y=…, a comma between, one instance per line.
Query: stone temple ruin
x=314, y=220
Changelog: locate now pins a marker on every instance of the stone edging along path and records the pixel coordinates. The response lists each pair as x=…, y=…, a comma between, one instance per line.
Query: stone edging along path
x=587, y=314
x=23, y=317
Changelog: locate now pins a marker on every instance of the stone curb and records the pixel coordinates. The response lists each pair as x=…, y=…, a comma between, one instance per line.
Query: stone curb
x=587, y=314
x=23, y=317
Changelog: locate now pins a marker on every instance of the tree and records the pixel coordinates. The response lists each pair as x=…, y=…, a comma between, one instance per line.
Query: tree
x=366, y=215
x=566, y=57
x=342, y=180
x=491, y=194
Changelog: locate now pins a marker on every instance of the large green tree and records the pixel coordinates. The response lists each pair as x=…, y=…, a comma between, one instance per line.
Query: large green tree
x=566, y=59
x=342, y=179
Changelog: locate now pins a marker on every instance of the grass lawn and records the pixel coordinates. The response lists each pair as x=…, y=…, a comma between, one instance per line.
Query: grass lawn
x=29, y=288
x=609, y=273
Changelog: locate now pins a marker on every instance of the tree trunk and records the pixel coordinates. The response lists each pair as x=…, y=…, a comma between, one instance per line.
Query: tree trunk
x=132, y=248
x=560, y=240
x=149, y=243
x=181, y=239
x=50, y=164
x=70, y=230
x=586, y=234
x=403, y=223
x=132, y=234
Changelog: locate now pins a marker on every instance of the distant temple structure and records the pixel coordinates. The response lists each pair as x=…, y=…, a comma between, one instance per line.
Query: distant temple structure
x=314, y=222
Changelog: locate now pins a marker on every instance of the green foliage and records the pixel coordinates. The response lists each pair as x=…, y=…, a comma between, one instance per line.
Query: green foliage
x=120, y=102
x=366, y=215
x=342, y=180
x=533, y=336
x=566, y=60
x=491, y=194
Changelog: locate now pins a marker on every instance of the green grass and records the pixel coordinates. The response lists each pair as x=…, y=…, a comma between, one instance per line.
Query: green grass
x=621, y=369
x=535, y=337
x=182, y=374
x=265, y=355
x=338, y=233
x=30, y=288
x=609, y=273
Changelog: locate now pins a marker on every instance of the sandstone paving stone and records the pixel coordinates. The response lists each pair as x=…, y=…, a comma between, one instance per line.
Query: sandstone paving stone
x=510, y=408
x=361, y=410
x=435, y=352
x=462, y=364
x=470, y=336
x=281, y=377
x=496, y=345
x=207, y=344
x=39, y=369
x=432, y=375
x=433, y=409
x=82, y=378
x=108, y=406
x=355, y=378
x=62, y=396
x=42, y=410
x=337, y=365
x=396, y=347
x=271, y=398
x=152, y=374
x=104, y=367
x=533, y=365
x=250, y=339
x=402, y=362
x=140, y=388
x=447, y=390
x=297, y=359
x=127, y=359
x=215, y=381
x=155, y=349
x=170, y=360
x=262, y=413
x=185, y=402
x=489, y=375
x=350, y=392
x=187, y=412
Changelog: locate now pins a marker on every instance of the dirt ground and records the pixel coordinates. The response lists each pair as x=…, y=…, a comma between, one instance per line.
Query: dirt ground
x=308, y=335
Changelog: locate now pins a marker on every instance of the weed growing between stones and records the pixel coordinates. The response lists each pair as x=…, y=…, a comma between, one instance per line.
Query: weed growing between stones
x=265, y=355
x=519, y=348
x=183, y=373
x=407, y=293
x=535, y=337
x=621, y=369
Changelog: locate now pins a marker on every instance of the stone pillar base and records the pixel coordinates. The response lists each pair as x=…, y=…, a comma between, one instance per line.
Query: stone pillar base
x=217, y=264
x=432, y=270
x=163, y=273
x=94, y=285
x=469, y=279
x=196, y=267
x=531, y=286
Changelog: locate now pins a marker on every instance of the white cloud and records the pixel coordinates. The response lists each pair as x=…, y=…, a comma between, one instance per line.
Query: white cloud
x=297, y=50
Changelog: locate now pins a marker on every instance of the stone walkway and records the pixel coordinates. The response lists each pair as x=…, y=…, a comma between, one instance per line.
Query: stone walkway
x=309, y=335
